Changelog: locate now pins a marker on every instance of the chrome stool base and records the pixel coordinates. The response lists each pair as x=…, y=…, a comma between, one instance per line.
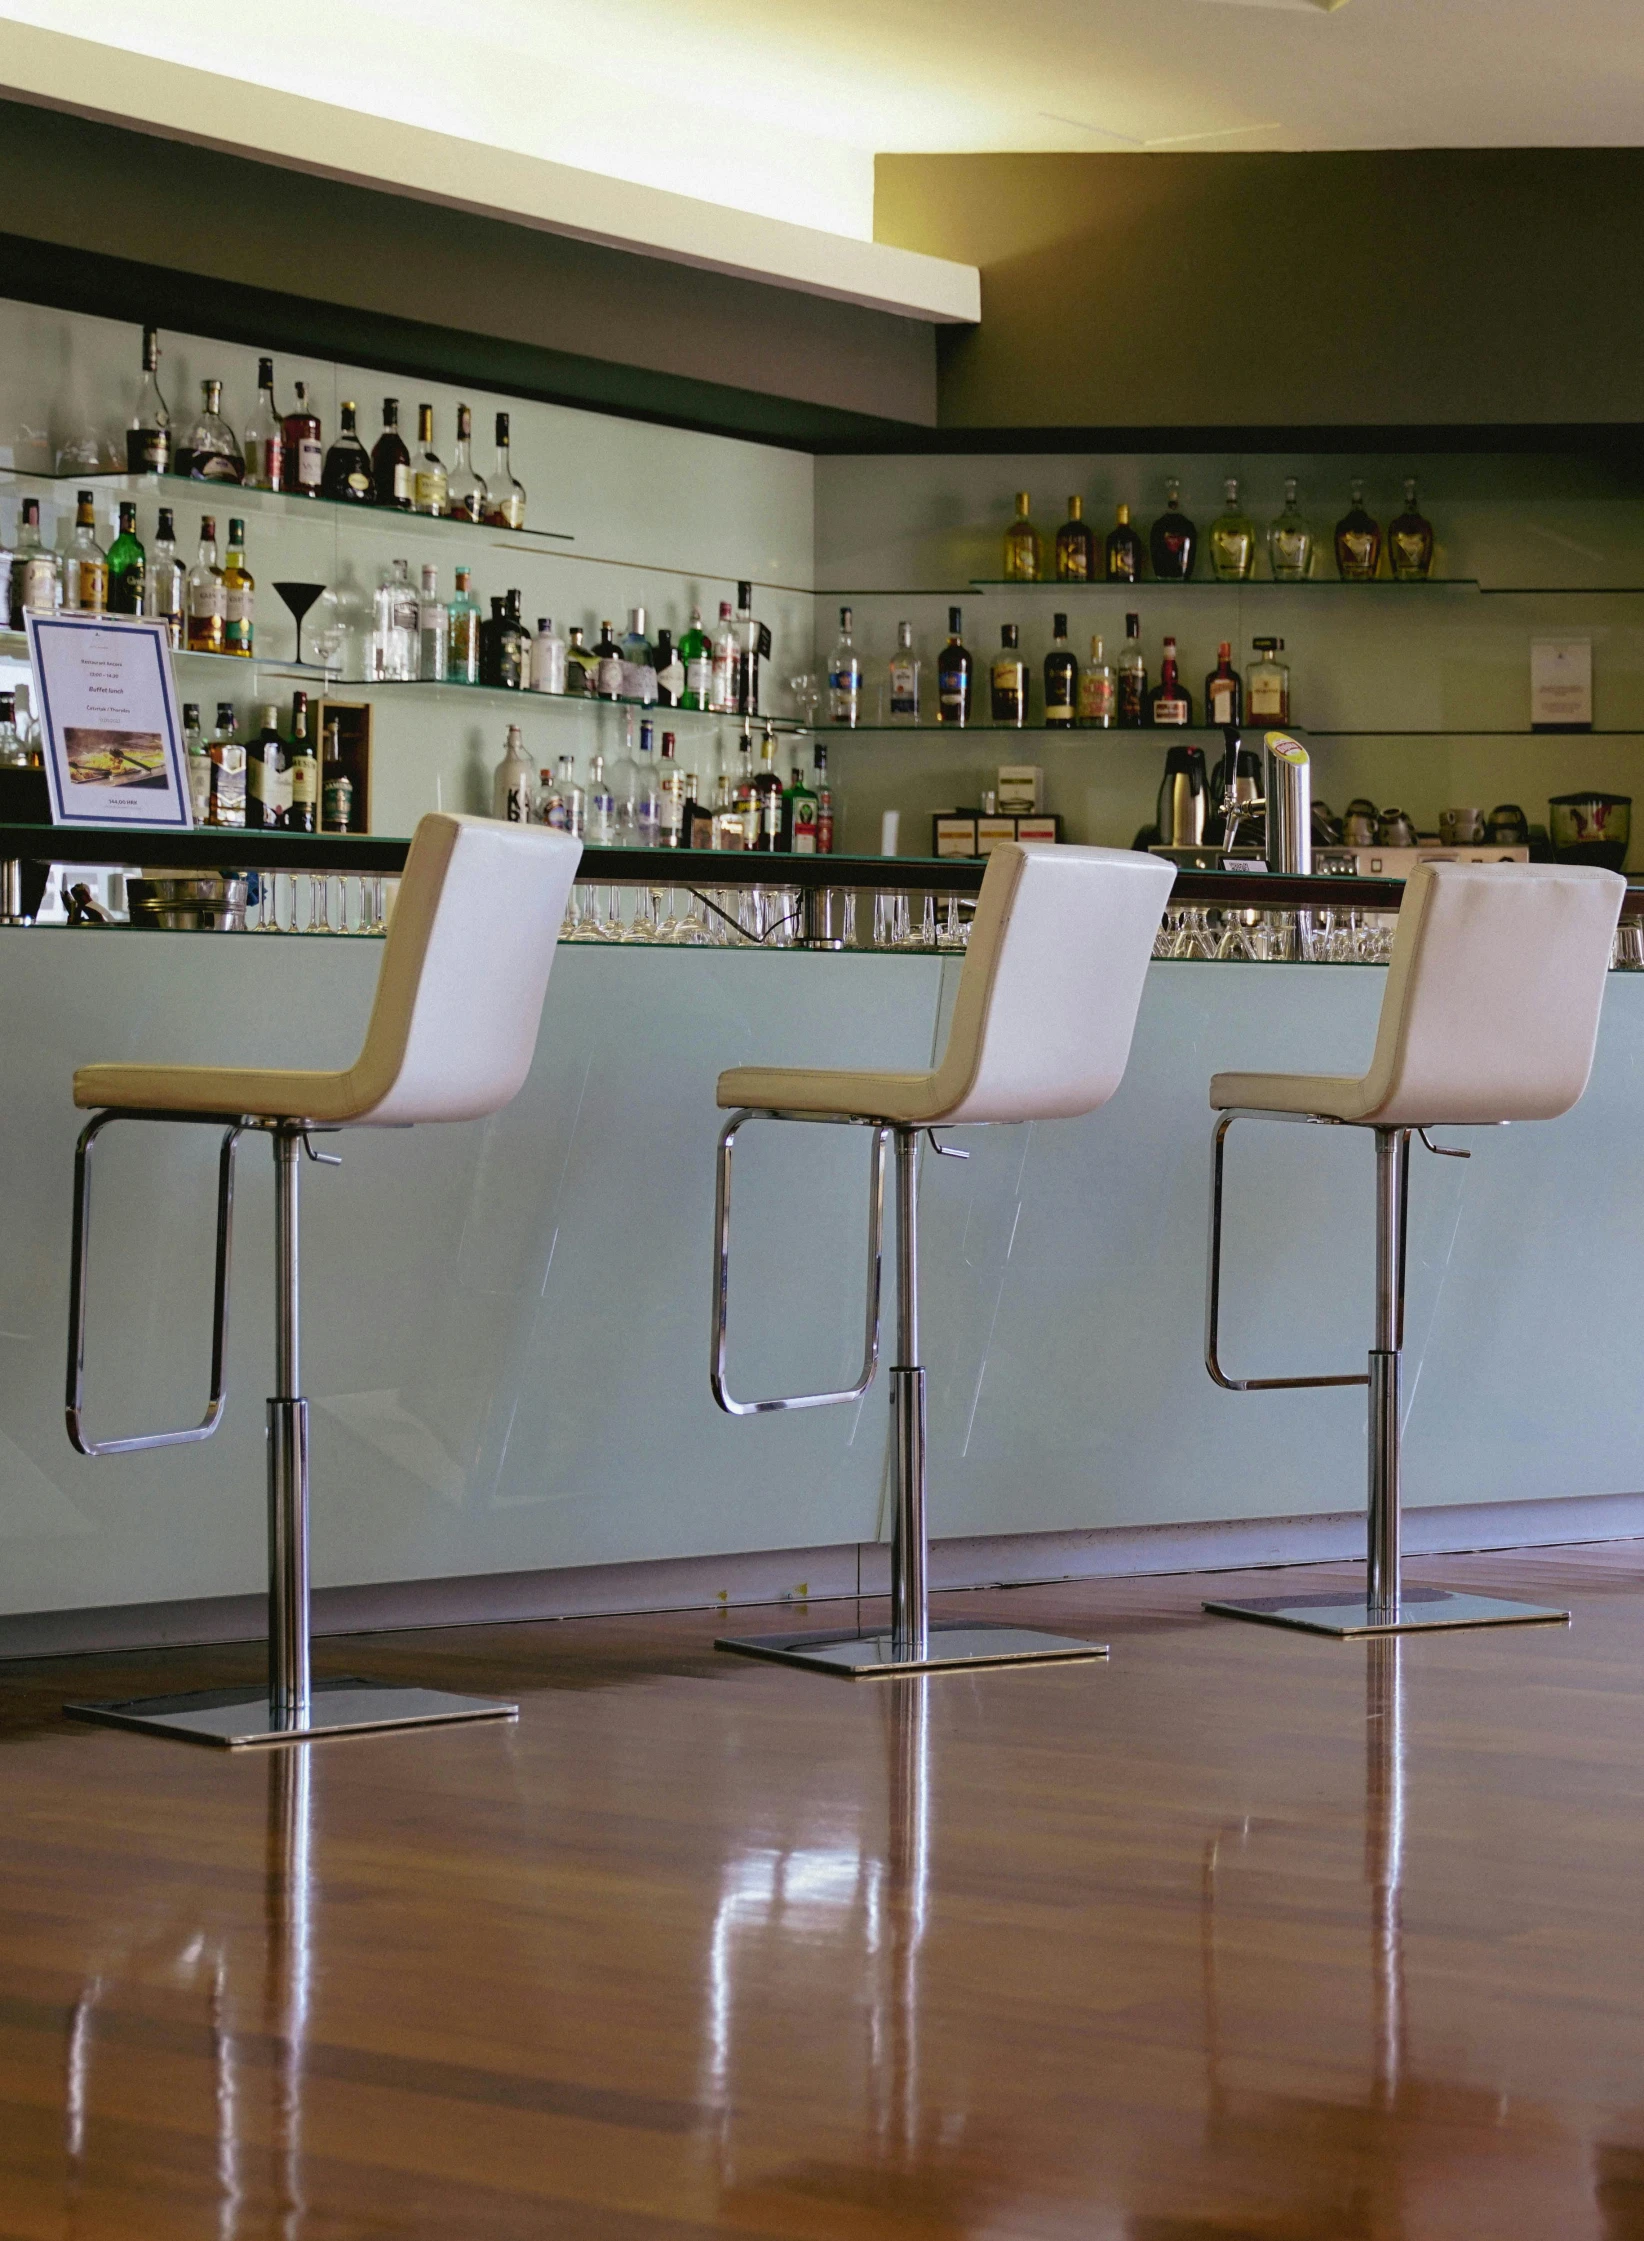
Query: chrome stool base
x=1420, y=1610
x=861, y=1656
x=241, y=1719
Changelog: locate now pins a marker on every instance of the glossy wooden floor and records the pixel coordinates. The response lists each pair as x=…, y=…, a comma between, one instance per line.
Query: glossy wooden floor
x=1243, y=1936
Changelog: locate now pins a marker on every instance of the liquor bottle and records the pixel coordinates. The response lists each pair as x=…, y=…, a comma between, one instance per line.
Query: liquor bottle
x=845, y=676
x=347, y=473
x=85, y=564
x=902, y=679
x=647, y=793
x=1173, y=542
x=429, y=481
x=304, y=453
x=1290, y=541
x=1170, y=701
x=393, y=648
x=638, y=663
x=753, y=646
x=1009, y=680
x=1358, y=541
x=547, y=658
x=601, y=805
x=1024, y=555
x=581, y=669
x=196, y=761
x=1075, y=546
x=765, y=823
x=14, y=754
x=955, y=675
x=562, y=803
x=697, y=653
x=1410, y=540
x=1061, y=679
x=1098, y=691
x=670, y=670
x=608, y=655
x=336, y=789
x=126, y=566
x=1224, y=690
x=1233, y=539
x=304, y=814
x=464, y=491
x=826, y=808
x=213, y=450
x=462, y=658
x=722, y=691
x=37, y=571
x=513, y=782
x=433, y=629
x=799, y=816
x=267, y=781
x=265, y=435
x=504, y=496
x=1132, y=677
x=1267, y=688
x=163, y=580
x=391, y=462
x=733, y=792
x=148, y=433
x=514, y=655
x=670, y=781
x=228, y=773
x=1122, y=554
x=239, y=595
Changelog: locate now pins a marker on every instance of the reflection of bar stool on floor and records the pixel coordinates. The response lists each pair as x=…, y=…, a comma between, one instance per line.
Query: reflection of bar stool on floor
x=459, y=997
x=1490, y=1015
x=1042, y=1023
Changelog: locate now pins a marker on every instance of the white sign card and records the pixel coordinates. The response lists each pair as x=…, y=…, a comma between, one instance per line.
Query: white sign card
x=108, y=720
x=1561, y=684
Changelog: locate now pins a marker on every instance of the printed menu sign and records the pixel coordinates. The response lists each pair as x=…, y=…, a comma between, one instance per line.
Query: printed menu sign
x=108, y=721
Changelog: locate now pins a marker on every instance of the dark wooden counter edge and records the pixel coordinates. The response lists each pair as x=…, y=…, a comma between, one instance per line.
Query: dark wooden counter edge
x=358, y=853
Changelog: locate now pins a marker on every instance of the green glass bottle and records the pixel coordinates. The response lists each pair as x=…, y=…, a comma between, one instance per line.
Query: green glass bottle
x=697, y=654
x=127, y=566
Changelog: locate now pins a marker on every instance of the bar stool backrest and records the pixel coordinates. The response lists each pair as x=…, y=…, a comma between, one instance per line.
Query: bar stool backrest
x=1493, y=993
x=464, y=969
x=1052, y=982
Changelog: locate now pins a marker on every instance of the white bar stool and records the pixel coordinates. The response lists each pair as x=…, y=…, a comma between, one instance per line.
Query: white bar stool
x=1490, y=1015
x=1042, y=1024
x=451, y=1036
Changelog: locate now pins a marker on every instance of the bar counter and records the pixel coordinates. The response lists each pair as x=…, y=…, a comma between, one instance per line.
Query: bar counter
x=508, y=1320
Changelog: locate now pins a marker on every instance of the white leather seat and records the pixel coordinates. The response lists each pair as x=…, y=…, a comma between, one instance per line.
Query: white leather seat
x=1491, y=1008
x=459, y=995
x=1046, y=1005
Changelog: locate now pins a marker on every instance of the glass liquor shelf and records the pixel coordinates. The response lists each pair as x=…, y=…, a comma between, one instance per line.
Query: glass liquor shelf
x=1160, y=735
x=663, y=715
x=1225, y=583
x=1151, y=586
x=223, y=498
x=15, y=646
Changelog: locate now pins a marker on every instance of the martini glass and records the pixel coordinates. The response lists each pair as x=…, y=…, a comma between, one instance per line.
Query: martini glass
x=299, y=598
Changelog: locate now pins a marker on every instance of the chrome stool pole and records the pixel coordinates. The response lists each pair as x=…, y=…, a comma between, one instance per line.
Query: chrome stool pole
x=909, y=1549
x=289, y=1680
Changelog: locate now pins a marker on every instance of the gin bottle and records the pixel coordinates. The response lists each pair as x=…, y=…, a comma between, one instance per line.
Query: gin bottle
x=36, y=572
x=463, y=625
x=697, y=653
x=394, y=627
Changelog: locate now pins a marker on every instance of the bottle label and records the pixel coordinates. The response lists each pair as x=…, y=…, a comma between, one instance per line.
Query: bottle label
x=1096, y=697
x=904, y=689
x=699, y=680
x=41, y=586
x=427, y=493
x=304, y=770
x=1169, y=711
x=259, y=779
x=1059, y=702
x=402, y=483
x=1267, y=698
x=208, y=602
x=238, y=604
x=310, y=461
x=802, y=841
x=339, y=803
x=1223, y=699
x=608, y=683
x=1132, y=689
x=824, y=825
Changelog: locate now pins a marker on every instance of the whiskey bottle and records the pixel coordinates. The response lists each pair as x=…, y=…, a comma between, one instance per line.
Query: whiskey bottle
x=902, y=679
x=504, y=495
x=464, y=491
x=765, y=818
x=1075, y=546
x=265, y=435
x=697, y=653
x=304, y=453
x=845, y=676
x=1358, y=541
x=336, y=788
x=1132, y=677
x=1224, y=690
x=462, y=659
x=164, y=580
x=1024, y=557
x=304, y=813
x=1290, y=541
x=1098, y=691
x=267, y=784
x=1410, y=540
x=513, y=782
x=1267, y=688
x=391, y=462
x=1169, y=702
x=347, y=474
x=213, y=449
x=126, y=566
x=1233, y=540
x=239, y=595
x=228, y=771
x=429, y=482
x=85, y=564
x=1009, y=680
x=148, y=434
x=37, y=571
x=826, y=805
x=1061, y=679
x=1122, y=554
x=1173, y=542
x=955, y=676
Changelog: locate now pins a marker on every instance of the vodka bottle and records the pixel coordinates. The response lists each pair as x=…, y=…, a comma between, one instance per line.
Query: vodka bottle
x=647, y=797
x=602, y=808
x=845, y=676
x=394, y=628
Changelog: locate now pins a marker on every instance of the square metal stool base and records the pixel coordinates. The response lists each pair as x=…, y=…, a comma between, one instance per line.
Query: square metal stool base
x=1421, y=1610
x=239, y=1719
x=861, y=1657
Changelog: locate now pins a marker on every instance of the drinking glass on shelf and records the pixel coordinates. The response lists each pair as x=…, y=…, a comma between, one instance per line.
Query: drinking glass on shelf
x=299, y=598
x=807, y=696
x=890, y=921
x=1627, y=954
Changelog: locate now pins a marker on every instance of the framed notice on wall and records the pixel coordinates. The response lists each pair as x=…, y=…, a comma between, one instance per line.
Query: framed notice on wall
x=108, y=721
